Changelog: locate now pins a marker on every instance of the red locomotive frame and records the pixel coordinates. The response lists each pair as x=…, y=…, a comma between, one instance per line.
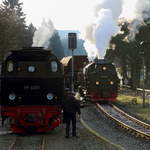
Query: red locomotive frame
x=32, y=118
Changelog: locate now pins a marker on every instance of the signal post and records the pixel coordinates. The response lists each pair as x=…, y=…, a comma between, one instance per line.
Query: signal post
x=72, y=45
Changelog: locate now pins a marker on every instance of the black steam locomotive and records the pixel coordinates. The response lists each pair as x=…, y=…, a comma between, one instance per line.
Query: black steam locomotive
x=31, y=90
x=101, y=81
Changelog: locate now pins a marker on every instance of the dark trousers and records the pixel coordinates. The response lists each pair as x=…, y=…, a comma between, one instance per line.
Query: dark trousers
x=70, y=118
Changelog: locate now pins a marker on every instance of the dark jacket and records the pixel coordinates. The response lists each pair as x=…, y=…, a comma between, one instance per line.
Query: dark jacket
x=71, y=105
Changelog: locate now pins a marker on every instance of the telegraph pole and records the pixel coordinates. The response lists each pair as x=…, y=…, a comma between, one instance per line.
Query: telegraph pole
x=143, y=64
x=72, y=44
x=72, y=75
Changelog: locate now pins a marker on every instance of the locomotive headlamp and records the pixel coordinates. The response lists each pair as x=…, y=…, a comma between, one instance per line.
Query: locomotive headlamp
x=49, y=96
x=104, y=68
x=12, y=96
x=54, y=66
x=31, y=68
x=97, y=83
x=10, y=66
x=81, y=98
x=111, y=82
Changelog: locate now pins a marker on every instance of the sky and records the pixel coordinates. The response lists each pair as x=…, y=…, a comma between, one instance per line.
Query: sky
x=65, y=14
x=74, y=14
x=97, y=20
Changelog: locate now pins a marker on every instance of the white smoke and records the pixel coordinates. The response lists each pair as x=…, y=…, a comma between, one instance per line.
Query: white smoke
x=43, y=34
x=136, y=9
x=104, y=29
x=135, y=13
x=104, y=23
x=98, y=33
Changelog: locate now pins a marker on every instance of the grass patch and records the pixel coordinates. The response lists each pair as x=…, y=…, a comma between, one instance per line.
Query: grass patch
x=135, y=107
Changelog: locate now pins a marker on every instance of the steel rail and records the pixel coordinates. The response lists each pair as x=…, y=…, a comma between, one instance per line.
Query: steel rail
x=146, y=125
x=42, y=147
x=13, y=144
x=122, y=124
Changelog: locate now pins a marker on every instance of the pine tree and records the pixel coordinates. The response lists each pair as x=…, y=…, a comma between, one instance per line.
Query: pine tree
x=56, y=46
x=13, y=28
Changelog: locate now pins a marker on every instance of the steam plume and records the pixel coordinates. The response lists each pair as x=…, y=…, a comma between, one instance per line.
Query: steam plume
x=135, y=13
x=106, y=15
x=98, y=34
x=43, y=34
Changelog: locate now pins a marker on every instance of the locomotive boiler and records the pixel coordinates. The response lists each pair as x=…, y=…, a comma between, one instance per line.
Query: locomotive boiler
x=31, y=90
x=101, y=81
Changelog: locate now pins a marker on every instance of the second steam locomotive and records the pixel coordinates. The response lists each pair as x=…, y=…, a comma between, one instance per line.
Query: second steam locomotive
x=101, y=81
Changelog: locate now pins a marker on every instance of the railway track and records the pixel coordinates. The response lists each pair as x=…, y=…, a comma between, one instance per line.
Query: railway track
x=24, y=142
x=7, y=142
x=4, y=129
x=42, y=147
x=126, y=121
x=12, y=145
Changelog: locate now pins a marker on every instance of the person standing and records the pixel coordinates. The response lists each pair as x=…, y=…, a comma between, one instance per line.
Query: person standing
x=70, y=108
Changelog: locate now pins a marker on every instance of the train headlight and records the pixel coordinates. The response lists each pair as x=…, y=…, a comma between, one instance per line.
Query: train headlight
x=97, y=83
x=31, y=68
x=111, y=82
x=81, y=98
x=50, y=96
x=10, y=66
x=12, y=96
x=54, y=66
x=104, y=68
